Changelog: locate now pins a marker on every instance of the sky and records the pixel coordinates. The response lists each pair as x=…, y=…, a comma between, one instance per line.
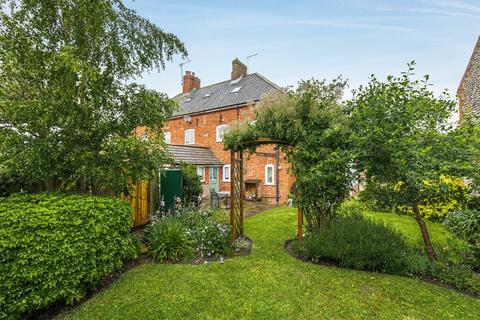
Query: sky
x=317, y=39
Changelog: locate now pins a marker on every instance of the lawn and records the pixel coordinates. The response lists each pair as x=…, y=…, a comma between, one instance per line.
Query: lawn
x=269, y=284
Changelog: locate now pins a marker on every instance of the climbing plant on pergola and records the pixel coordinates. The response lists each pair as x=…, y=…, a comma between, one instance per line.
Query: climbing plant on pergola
x=312, y=128
x=237, y=187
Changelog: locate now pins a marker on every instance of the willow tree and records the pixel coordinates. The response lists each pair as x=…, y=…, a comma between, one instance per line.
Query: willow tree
x=312, y=122
x=68, y=100
x=404, y=142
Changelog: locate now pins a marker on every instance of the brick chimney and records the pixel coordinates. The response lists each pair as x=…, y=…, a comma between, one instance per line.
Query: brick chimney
x=190, y=82
x=238, y=69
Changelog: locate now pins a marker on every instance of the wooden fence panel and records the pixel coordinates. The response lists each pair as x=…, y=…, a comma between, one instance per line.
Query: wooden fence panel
x=139, y=199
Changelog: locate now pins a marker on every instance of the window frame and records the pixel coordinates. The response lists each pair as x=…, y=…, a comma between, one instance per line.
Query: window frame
x=228, y=167
x=186, y=135
x=217, y=132
x=267, y=167
x=202, y=176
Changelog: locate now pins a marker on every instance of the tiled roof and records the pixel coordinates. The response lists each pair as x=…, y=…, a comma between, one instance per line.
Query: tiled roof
x=220, y=95
x=193, y=154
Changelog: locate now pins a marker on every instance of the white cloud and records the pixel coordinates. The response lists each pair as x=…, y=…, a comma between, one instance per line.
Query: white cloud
x=351, y=25
x=453, y=4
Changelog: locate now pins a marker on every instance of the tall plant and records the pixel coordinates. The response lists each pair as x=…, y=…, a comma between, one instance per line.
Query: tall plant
x=192, y=186
x=68, y=102
x=312, y=121
x=404, y=141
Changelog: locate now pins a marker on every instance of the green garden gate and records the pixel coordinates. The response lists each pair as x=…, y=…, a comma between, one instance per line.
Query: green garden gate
x=171, y=187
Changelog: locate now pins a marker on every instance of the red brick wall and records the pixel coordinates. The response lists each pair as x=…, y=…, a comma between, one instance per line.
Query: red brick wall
x=205, y=135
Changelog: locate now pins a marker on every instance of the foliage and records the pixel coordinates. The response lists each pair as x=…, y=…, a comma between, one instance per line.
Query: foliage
x=437, y=199
x=201, y=231
x=54, y=247
x=466, y=224
x=377, y=197
x=168, y=241
x=192, y=186
x=221, y=216
x=458, y=275
x=353, y=206
x=360, y=243
x=403, y=139
x=241, y=245
x=313, y=123
x=68, y=102
x=209, y=237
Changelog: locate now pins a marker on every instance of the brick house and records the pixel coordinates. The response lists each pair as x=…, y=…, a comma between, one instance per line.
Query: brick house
x=468, y=92
x=195, y=132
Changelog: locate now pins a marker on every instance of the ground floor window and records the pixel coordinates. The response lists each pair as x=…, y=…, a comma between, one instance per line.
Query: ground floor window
x=269, y=175
x=226, y=173
x=201, y=173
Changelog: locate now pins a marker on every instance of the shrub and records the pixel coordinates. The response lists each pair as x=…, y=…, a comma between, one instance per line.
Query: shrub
x=168, y=241
x=353, y=241
x=192, y=186
x=458, y=275
x=466, y=225
x=55, y=247
x=209, y=237
x=204, y=232
x=352, y=207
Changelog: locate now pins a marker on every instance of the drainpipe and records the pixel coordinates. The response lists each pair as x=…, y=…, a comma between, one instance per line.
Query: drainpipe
x=277, y=178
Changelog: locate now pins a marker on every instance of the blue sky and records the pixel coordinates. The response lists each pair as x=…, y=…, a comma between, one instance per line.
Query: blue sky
x=320, y=39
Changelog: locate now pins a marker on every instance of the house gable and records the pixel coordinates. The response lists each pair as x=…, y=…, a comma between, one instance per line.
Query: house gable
x=468, y=92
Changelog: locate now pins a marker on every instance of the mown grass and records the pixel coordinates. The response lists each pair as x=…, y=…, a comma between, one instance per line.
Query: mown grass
x=270, y=284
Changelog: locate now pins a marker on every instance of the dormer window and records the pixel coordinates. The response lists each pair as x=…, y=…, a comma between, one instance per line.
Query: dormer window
x=236, y=89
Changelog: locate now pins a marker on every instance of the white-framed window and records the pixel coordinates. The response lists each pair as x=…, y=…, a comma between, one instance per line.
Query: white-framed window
x=190, y=136
x=226, y=173
x=221, y=130
x=269, y=175
x=201, y=173
x=168, y=137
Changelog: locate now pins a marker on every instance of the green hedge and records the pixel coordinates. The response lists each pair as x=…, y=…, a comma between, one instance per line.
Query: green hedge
x=55, y=247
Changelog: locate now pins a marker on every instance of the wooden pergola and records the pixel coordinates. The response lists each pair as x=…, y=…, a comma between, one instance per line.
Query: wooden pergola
x=237, y=189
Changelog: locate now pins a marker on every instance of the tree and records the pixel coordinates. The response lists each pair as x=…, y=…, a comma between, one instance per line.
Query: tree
x=314, y=124
x=404, y=141
x=69, y=105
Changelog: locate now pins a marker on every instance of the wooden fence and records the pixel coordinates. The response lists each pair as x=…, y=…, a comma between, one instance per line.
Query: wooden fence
x=140, y=200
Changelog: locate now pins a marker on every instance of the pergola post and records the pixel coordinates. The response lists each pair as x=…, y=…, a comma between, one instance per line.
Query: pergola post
x=236, y=194
x=299, y=224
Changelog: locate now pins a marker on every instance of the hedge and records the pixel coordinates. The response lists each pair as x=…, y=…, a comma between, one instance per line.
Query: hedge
x=53, y=248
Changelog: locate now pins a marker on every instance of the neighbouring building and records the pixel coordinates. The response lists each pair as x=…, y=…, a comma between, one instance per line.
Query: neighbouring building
x=195, y=132
x=468, y=92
